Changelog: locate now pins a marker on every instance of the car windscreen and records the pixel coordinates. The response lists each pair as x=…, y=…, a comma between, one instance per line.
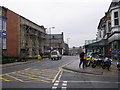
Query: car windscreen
x=54, y=53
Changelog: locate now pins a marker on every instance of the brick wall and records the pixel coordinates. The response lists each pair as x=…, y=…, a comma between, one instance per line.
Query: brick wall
x=13, y=33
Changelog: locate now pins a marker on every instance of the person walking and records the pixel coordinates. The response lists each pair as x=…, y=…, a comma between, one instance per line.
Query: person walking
x=82, y=59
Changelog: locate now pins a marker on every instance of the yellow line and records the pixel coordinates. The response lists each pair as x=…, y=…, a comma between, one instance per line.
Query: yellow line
x=40, y=73
x=34, y=75
x=49, y=70
x=56, y=75
x=14, y=78
x=31, y=78
x=5, y=79
x=66, y=64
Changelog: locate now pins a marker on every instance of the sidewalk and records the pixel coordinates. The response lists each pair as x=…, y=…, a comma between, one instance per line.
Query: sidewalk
x=19, y=63
x=74, y=66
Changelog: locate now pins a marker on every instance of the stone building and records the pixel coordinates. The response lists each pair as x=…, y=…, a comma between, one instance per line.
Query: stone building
x=23, y=37
x=55, y=41
x=108, y=35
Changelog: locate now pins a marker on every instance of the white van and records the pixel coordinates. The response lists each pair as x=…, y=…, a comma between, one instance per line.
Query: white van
x=55, y=55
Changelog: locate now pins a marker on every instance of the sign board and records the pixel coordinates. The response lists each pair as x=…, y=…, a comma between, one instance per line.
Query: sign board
x=3, y=34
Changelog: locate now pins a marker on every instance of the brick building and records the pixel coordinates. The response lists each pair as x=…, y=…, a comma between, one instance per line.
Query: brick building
x=23, y=37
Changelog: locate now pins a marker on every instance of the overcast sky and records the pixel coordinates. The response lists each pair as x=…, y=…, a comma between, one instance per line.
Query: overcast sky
x=78, y=19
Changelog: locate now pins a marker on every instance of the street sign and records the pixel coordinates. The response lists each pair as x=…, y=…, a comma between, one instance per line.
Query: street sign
x=3, y=34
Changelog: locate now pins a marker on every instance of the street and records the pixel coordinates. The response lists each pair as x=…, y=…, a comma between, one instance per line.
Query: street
x=49, y=74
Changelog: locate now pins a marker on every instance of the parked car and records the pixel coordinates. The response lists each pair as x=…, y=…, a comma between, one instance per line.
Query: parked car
x=46, y=55
x=55, y=55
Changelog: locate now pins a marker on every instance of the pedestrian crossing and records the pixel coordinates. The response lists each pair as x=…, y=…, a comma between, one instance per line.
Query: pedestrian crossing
x=31, y=75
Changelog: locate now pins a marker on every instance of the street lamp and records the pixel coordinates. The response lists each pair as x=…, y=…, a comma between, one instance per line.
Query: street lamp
x=50, y=36
x=68, y=40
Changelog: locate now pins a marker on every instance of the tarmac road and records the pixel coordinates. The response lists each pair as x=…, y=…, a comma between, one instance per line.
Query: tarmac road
x=61, y=74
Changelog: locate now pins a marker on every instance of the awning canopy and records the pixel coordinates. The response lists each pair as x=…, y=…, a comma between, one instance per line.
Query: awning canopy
x=100, y=43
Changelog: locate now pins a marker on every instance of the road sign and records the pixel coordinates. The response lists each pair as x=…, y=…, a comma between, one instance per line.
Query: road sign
x=3, y=34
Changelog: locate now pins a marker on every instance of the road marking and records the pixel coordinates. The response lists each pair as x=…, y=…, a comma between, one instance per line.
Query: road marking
x=34, y=75
x=60, y=75
x=42, y=72
x=55, y=85
x=14, y=77
x=93, y=82
x=64, y=88
x=89, y=74
x=66, y=64
x=5, y=79
x=64, y=85
x=53, y=88
x=56, y=75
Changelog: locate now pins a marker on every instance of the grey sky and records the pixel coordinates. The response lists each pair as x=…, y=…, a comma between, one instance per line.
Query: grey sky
x=78, y=19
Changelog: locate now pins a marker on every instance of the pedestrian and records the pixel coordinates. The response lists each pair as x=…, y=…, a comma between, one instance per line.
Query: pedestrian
x=82, y=59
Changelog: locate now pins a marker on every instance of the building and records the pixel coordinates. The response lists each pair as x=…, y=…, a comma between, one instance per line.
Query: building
x=114, y=31
x=3, y=20
x=55, y=41
x=108, y=35
x=23, y=37
x=66, y=49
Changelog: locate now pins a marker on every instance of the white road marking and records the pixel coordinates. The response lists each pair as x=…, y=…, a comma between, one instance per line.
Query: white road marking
x=57, y=81
x=55, y=84
x=65, y=81
x=64, y=85
x=54, y=88
x=60, y=75
x=64, y=88
x=93, y=82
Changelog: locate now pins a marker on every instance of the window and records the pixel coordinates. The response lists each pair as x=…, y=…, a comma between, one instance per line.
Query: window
x=53, y=37
x=4, y=43
x=116, y=19
x=4, y=25
x=115, y=14
x=109, y=27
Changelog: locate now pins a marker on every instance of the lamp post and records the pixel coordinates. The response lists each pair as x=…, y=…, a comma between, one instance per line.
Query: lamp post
x=68, y=40
x=50, y=36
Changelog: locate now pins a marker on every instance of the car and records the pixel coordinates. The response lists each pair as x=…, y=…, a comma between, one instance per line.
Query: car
x=55, y=55
x=46, y=55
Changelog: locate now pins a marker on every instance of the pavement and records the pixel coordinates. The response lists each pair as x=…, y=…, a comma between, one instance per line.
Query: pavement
x=19, y=63
x=74, y=66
